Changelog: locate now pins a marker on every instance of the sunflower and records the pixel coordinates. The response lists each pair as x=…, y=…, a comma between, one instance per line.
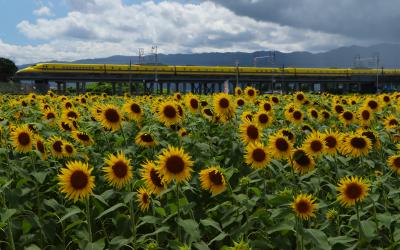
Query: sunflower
x=192, y=102
x=67, y=125
x=212, y=179
x=372, y=136
x=82, y=138
x=299, y=97
x=314, y=144
x=279, y=146
x=325, y=115
x=262, y=119
x=117, y=170
x=49, y=115
x=110, y=117
x=75, y=180
x=40, y=146
x=182, y=132
x=223, y=105
x=134, y=110
x=288, y=134
x=302, y=161
x=207, y=113
x=331, y=140
x=257, y=155
x=143, y=197
x=338, y=109
x=146, y=140
x=351, y=190
x=238, y=91
x=169, y=113
x=372, y=104
x=240, y=102
x=250, y=132
x=68, y=149
x=251, y=93
x=331, y=215
x=177, y=96
x=56, y=146
x=296, y=116
x=266, y=106
x=151, y=177
x=313, y=113
x=355, y=145
x=174, y=164
x=394, y=163
x=304, y=206
x=391, y=122
x=365, y=116
x=70, y=114
x=347, y=117
x=22, y=139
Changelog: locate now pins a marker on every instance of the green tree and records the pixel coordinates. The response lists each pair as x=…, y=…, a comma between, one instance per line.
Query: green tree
x=7, y=69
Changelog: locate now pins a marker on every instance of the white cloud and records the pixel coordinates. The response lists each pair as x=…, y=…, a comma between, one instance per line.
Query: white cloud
x=42, y=11
x=97, y=28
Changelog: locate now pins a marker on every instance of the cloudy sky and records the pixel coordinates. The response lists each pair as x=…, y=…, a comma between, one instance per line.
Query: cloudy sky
x=43, y=30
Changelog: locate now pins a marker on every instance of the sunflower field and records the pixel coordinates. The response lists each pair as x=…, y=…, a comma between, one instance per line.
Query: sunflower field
x=241, y=171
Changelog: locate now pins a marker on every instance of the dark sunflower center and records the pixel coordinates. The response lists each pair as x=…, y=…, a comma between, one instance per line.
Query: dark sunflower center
x=68, y=105
x=386, y=98
x=69, y=149
x=145, y=198
x=72, y=114
x=215, y=177
x=175, y=164
x=303, y=207
x=40, y=147
x=169, y=111
x=373, y=104
x=252, y=132
x=348, y=115
x=365, y=114
x=250, y=92
x=358, y=142
x=24, y=139
x=316, y=146
x=79, y=179
x=194, y=103
x=396, y=162
x=135, y=108
x=275, y=99
x=330, y=141
x=180, y=110
x=300, y=97
x=146, y=138
x=178, y=96
x=325, y=114
x=208, y=112
x=239, y=92
x=50, y=116
x=353, y=191
x=46, y=106
x=203, y=103
x=306, y=128
x=339, y=109
x=297, y=115
x=393, y=122
x=263, y=118
x=240, y=102
x=112, y=115
x=120, y=169
x=267, y=107
x=155, y=178
x=224, y=103
x=314, y=114
x=57, y=146
x=301, y=158
x=83, y=137
x=258, y=155
x=281, y=144
x=249, y=117
x=66, y=126
x=370, y=135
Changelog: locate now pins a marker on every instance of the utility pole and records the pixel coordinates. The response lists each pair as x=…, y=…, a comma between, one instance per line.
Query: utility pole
x=237, y=72
x=154, y=50
x=141, y=56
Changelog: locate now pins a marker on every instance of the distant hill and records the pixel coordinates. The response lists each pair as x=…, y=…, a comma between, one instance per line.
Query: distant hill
x=389, y=57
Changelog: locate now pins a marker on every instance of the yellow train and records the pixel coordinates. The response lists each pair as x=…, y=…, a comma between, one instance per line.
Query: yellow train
x=200, y=70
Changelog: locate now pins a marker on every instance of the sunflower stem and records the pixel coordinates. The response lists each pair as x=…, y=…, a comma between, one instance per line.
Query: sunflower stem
x=89, y=222
x=178, y=209
x=359, y=222
x=123, y=135
x=132, y=217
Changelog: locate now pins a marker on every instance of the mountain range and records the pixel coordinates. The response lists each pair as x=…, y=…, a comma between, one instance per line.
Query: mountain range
x=381, y=55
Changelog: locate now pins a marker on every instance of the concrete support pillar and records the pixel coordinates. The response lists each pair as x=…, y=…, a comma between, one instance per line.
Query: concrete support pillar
x=119, y=88
x=77, y=88
x=83, y=87
x=113, y=88
x=168, y=88
x=64, y=88
x=58, y=88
